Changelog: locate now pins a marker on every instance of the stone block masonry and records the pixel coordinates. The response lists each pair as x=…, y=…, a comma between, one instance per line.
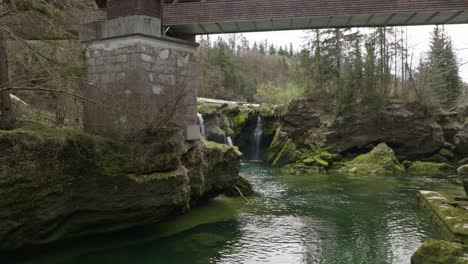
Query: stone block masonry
x=139, y=82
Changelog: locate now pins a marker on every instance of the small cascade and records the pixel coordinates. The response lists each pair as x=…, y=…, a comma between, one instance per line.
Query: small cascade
x=229, y=141
x=257, y=139
x=202, y=125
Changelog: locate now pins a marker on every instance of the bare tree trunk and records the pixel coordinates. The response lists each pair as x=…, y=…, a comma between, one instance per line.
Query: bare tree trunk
x=8, y=118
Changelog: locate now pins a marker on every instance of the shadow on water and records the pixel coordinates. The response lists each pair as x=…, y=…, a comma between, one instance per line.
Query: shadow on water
x=131, y=243
x=331, y=219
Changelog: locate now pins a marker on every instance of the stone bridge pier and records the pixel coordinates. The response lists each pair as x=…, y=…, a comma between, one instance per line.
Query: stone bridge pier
x=137, y=78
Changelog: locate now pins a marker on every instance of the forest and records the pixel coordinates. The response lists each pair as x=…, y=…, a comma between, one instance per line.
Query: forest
x=343, y=65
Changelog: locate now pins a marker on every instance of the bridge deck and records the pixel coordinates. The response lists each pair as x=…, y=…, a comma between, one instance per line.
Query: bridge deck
x=229, y=16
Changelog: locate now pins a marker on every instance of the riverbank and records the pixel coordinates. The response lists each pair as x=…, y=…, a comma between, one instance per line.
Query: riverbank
x=60, y=184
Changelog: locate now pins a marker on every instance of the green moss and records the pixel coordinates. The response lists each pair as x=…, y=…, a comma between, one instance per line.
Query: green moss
x=46, y=132
x=286, y=155
x=229, y=132
x=275, y=146
x=266, y=110
x=440, y=252
x=446, y=153
x=430, y=169
x=225, y=122
x=157, y=176
x=316, y=161
x=299, y=168
x=222, y=147
x=321, y=162
x=380, y=161
x=447, y=214
x=239, y=120
x=327, y=156
x=208, y=108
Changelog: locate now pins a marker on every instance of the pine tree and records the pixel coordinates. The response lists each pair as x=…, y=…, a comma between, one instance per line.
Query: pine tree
x=261, y=48
x=255, y=47
x=272, y=50
x=443, y=71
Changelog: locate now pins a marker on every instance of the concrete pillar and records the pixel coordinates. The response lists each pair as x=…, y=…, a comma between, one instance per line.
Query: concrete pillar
x=137, y=78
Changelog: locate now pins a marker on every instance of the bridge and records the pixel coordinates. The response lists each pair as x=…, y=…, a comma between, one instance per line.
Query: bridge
x=193, y=17
x=142, y=55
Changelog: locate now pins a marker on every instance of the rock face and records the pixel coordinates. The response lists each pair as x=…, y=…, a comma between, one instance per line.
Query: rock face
x=381, y=160
x=408, y=128
x=213, y=169
x=440, y=252
x=461, y=140
x=62, y=184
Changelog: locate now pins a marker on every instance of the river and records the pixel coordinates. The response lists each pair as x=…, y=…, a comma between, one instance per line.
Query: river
x=330, y=219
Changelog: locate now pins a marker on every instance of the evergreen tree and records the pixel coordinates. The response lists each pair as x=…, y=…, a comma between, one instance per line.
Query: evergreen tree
x=443, y=71
x=255, y=47
x=272, y=50
x=281, y=51
x=261, y=49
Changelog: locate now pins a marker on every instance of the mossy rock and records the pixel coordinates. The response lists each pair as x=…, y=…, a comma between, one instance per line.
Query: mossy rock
x=221, y=148
x=157, y=176
x=216, y=134
x=299, y=168
x=446, y=153
x=266, y=110
x=380, y=161
x=239, y=121
x=208, y=108
x=316, y=161
x=440, y=252
x=287, y=154
x=430, y=169
x=276, y=145
x=327, y=156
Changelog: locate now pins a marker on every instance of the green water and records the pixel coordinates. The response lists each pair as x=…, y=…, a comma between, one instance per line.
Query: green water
x=292, y=219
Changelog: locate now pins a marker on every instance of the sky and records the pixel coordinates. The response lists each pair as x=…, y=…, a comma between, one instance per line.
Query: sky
x=418, y=41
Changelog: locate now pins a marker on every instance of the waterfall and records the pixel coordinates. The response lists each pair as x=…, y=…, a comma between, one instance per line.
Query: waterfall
x=257, y=139
x=202, y=125
x=229, y=141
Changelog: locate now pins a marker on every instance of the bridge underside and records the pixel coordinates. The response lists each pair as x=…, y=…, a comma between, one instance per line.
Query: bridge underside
x=220, y=16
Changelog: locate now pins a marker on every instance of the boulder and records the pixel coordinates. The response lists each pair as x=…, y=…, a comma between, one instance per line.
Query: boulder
x=213, y=169
x=381, y=161
x=440, y=252
x=446, y=153
x=280, y=138
x=430, y=169
x=408, y=128
x=287, y=154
